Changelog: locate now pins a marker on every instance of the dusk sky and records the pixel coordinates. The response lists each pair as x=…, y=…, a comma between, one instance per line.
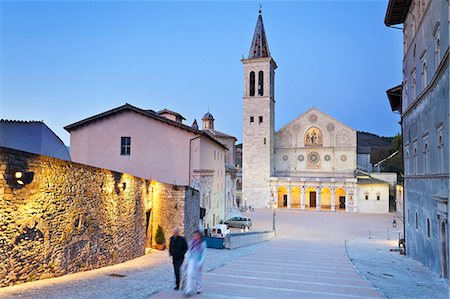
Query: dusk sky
x=65, y=61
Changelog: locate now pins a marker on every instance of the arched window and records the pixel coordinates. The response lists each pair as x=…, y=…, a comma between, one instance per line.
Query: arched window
x=261, y=83
x=425, y=158
x=252, y=84
x=424, y=75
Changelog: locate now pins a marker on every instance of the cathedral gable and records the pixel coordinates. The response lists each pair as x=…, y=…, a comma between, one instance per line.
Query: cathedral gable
x=315, y=129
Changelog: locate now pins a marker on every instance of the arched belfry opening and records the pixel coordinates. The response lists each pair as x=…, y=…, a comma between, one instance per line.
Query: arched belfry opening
x=252, y=84
x=261, y=83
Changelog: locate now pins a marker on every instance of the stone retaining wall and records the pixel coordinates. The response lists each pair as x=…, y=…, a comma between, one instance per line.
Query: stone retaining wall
x=73, y=217
x=237, y=240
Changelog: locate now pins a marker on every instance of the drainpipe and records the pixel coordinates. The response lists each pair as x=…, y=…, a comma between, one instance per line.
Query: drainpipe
x=190, y=145
x=189, y=175
x=403, y=183
x=225, y=186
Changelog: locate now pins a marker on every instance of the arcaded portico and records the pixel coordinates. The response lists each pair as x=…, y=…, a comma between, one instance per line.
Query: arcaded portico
x=318, y=194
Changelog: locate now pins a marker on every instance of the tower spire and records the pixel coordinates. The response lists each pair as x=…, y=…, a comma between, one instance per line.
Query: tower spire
x=259, y=47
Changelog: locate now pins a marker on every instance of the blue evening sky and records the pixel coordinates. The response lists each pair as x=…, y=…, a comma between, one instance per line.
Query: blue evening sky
x=64, y=61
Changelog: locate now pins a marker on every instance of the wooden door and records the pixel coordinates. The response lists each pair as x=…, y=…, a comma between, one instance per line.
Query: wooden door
x=341, y=202
x=312, y=199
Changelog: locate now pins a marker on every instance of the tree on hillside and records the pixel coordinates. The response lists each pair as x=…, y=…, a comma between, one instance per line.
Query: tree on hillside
x=395, y=163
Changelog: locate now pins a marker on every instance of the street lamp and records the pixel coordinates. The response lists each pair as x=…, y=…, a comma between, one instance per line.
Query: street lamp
x=273, y=220
x=394, y=223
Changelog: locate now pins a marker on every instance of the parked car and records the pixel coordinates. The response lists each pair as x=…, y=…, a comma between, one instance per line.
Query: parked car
x=219, y=231
x=239, y=221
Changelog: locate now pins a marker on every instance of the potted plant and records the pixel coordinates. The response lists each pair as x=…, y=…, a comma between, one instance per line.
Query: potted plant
x=159, y=238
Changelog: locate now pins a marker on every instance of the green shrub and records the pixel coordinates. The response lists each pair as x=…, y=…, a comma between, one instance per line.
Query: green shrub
x=159, y=236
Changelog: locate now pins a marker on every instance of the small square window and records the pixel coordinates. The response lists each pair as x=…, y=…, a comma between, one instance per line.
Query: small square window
x=125, y=146
x=260, y=119
x=252, y=119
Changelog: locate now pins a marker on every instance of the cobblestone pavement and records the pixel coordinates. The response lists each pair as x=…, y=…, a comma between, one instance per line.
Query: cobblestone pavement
x=138, y=278
x=397, y=276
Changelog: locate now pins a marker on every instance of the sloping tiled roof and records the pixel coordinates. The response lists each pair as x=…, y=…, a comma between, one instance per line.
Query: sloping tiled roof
x=371, y=180
x=218, y=134
x=395, y=97
x=396, y=12
x=148, y=113
x=169, y=112
x=21, y=125
x=259, y=47
x=21, y=121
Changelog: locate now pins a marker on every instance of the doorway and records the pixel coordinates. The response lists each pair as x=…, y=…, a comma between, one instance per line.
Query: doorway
x=284, y=200
x=444, y=250
x=341, y=202
x=312, y=199
x=148, y=227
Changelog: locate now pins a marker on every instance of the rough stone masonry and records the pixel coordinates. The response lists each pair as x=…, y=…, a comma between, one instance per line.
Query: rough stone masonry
x=74, y=217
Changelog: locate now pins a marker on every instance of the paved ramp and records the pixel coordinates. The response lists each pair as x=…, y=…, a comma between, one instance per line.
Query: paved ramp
x=294, y=265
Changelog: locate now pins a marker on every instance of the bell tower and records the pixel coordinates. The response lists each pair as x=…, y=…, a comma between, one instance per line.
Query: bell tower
x=259, y=120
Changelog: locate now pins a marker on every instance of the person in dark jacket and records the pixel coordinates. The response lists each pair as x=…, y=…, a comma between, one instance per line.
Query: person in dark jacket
x=177, y=249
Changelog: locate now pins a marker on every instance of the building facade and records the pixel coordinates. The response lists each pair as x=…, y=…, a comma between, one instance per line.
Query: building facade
x=423, y=102
x=156, y=146
x=33, y=137
x=310, y=163
x=230, y=159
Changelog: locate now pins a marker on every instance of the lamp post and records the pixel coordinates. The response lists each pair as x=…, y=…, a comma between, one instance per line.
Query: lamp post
x=273, y=219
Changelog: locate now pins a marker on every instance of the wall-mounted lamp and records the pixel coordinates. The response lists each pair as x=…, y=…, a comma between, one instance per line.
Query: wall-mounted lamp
x=23, y=178
x=122, y=186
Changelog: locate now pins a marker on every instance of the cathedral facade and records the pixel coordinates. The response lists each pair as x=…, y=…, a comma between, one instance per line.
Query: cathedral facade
x=310, y=163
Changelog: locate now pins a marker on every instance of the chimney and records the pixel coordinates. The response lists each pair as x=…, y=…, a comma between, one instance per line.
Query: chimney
x=195, y=124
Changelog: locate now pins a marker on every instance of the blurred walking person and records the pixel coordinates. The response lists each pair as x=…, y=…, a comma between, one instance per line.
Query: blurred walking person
x=178, y=247
x=197, y=250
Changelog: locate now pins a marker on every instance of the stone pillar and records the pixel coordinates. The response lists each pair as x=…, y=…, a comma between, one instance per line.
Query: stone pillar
x=289, y=197
x=303, y=197
x=346, y=199
x=274, y=196
x=319, y=189
x=333, y=205
x=355, y=199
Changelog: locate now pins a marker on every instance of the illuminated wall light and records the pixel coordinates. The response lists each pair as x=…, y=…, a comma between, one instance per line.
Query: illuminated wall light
x=122, y=186
x=23, y=178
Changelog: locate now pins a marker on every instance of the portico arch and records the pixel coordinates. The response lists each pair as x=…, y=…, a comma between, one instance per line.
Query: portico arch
x=296, y=193
x=339, y=198
x=325, y=198
x=282, y=197
x=311, y=197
